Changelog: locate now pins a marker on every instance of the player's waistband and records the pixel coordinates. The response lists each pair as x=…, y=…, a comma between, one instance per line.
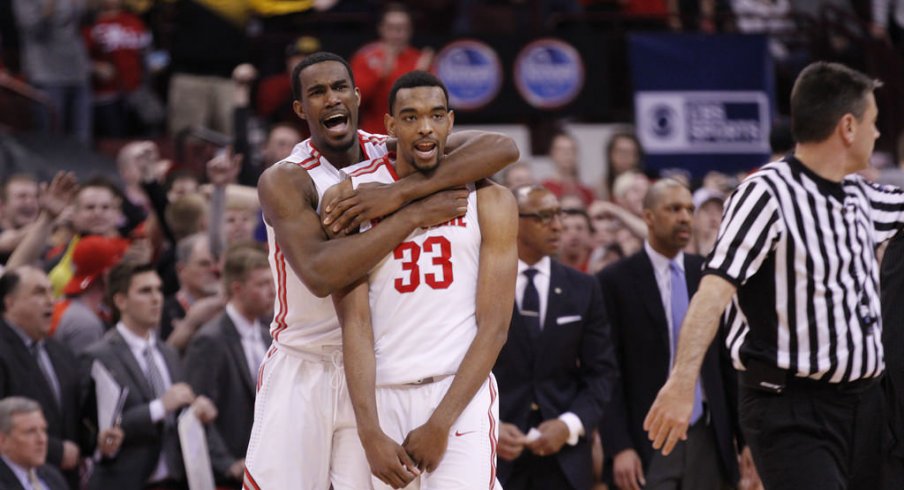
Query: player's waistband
x=418, y=382
x=325, y=353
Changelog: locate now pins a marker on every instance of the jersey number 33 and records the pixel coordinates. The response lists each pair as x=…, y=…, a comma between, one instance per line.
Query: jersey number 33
x=438, y=271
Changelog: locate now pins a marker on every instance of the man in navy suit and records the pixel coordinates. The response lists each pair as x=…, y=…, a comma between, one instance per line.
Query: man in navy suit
x=646, y=297
x=557, y=369
x=23, y=447
x=37, y=367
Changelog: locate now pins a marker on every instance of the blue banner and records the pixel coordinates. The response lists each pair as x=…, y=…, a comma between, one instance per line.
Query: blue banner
x=702, y=102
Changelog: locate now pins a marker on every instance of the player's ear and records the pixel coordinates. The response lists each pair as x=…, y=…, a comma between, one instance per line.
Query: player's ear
x=389, y=122
x=357, y=97
x=298, y=109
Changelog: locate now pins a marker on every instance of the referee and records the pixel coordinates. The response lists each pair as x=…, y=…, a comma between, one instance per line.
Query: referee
x=795, y=258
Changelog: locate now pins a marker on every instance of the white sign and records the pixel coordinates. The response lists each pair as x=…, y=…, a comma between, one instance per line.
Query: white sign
x=703, y=122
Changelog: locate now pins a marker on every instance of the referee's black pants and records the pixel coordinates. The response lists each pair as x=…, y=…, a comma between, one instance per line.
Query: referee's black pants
x=815, y=435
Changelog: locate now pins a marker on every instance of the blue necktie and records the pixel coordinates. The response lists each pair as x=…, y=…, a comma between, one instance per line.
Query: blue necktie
x=530, y=304
x=680, y=302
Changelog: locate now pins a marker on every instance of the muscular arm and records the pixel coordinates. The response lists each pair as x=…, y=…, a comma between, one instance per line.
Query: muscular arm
x=498, y=216
x=388, y=461
x=671, y=411
x=472, y=156
x=353, y=310
x=289, y=199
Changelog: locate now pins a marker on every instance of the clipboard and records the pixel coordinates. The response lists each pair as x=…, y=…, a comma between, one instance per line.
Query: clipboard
x=120, y=403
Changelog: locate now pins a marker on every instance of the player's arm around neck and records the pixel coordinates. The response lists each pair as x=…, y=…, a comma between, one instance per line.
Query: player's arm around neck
x=670, y=413
x=498, y=216
x=471, y=156
x=289, y=201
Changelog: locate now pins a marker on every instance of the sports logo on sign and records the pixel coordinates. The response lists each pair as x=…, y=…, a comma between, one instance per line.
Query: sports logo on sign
x=703, y=122
x=472, y=73
x=549, y=73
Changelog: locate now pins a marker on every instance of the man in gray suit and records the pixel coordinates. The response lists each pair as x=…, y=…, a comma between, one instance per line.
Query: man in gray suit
x=150, y=457
x=23, y=447
x=222, y=360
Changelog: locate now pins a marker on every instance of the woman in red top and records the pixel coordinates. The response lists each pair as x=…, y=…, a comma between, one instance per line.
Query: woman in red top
x=377, y=65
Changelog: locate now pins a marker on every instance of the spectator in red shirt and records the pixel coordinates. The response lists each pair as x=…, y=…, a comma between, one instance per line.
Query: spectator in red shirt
x=377, y=65
x=116, y=41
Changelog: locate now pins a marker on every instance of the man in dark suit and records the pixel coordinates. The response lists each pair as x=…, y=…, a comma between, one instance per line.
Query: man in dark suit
x=23, y=448
x=557, y=369
x=646, y=296
x=150, y=456
x=222, y=360
x=40, y=368
x=892, y=277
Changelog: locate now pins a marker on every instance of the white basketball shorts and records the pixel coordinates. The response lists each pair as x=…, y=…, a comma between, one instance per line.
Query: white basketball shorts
x=470, y=459
x=304, y=435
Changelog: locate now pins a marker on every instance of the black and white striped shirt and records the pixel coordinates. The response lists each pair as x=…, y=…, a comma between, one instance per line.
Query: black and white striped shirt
x=801, y=250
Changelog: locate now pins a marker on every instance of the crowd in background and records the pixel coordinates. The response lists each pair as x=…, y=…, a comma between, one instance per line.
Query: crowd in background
x=147, y=74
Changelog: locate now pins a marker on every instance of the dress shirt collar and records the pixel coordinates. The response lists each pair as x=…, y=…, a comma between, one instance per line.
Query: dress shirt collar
x=247, y=330
x=135, y=343
x=20, y=472
x=661, y=262
x=543, y=266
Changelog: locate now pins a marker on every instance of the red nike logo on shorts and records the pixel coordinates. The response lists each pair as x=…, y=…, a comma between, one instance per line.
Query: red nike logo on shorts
x=459, y=433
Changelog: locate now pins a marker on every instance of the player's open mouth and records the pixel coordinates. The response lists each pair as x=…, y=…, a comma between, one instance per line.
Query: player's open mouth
x=425, y=150
x=336, y=123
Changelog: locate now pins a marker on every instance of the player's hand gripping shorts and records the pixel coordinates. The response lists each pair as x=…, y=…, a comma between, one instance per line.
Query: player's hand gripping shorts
x=470, y=459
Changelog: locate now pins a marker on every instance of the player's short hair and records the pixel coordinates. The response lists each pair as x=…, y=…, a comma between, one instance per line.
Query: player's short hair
x=414, y=79
x=823, y=93
x=318, y=57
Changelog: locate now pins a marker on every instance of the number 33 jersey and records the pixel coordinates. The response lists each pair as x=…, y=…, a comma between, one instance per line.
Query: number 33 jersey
x=423, y=296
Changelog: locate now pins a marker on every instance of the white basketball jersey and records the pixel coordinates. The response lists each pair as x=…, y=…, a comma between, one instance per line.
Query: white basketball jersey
x=301, y=320
x=423, y=296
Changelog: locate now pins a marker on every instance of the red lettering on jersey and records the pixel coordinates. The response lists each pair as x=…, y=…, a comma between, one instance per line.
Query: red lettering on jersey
x=460, y=222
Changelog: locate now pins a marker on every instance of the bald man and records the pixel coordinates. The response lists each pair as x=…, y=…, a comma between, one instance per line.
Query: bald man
x=646, y=296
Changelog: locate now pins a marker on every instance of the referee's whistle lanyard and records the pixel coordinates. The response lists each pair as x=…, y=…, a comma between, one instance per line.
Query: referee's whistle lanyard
x=868, y=320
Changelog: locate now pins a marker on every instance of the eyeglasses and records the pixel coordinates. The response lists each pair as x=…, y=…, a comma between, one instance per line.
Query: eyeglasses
x=544, y=217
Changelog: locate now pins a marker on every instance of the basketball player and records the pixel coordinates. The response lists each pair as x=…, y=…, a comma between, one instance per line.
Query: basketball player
x=304, y=435
x=423, y=331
